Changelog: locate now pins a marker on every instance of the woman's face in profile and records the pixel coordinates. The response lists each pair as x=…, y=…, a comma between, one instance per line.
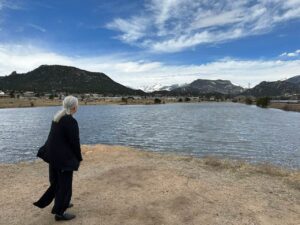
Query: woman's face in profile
x=74, y=109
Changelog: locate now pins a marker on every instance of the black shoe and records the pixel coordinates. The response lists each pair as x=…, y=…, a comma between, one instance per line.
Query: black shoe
x=37, y=205
x=65, y=216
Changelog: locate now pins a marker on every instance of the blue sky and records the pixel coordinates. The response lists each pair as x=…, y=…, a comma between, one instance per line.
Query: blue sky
x=140, y=43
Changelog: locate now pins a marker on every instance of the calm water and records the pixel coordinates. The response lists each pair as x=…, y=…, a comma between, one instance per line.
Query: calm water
x=222, y=129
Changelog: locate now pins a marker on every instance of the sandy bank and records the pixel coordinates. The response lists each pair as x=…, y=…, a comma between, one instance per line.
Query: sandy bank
x=118, y=185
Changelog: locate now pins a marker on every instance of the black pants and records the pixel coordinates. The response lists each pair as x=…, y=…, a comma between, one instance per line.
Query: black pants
x=60, y=189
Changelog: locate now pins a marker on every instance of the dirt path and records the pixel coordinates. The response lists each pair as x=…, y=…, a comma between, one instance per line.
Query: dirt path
x=118, y=185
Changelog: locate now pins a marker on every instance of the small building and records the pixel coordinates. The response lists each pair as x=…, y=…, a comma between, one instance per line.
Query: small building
x=3, y=95
x=29, y=94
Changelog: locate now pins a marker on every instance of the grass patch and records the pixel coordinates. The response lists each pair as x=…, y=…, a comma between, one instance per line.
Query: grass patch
x=291, y=177
x=294, y=180
x=265, y=168
x=217, y=163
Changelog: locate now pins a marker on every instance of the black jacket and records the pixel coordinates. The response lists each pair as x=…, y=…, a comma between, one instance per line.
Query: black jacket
x=62, y=148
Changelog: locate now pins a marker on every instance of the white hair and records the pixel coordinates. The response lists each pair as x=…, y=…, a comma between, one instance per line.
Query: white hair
x=69, y=103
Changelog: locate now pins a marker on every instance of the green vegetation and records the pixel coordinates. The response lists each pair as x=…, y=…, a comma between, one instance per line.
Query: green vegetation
x=187, y=99
x=263, y=102
x=157, y=101
x=124, y=100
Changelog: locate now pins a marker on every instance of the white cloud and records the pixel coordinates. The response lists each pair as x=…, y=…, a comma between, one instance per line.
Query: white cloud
x=23, y=58
x=9, y=4
x=291, y=54
x=174, y=25
x=37, y=27
x=132, y=29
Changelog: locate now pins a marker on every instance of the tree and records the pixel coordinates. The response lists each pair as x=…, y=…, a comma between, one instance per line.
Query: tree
x=124, y=100
x=263, y=102
x=157, y=101
x=187, y=99
x=51, y=96
x=12, y=94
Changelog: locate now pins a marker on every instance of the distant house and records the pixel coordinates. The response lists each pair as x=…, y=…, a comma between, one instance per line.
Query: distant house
x=28, y=94
x=3, y=95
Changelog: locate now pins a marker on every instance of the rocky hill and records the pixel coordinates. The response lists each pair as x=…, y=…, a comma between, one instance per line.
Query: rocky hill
x=295, y=80
x=48, y=78
x=201, y=86
x=276, y=88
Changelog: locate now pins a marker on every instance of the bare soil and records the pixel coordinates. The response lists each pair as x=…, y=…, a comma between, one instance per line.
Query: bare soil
x=119, y=185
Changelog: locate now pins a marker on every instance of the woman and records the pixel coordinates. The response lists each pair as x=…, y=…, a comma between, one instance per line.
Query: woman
x=62, y=152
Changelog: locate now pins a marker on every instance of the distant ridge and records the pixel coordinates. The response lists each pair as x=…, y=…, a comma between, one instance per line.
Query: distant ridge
x=202, y=87
x=58, y=78
x=276, y=88
x=198, y=87
x=48, y=78
x=295, y=79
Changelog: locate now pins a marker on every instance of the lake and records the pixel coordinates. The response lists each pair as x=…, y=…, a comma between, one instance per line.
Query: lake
x=227, y=130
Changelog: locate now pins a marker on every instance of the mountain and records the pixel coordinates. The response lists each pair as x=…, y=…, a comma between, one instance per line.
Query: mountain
x=202, y=86
x=160, y=87
x=295, y=80
x=276, y=88
x=48, y=78
x=151, y=88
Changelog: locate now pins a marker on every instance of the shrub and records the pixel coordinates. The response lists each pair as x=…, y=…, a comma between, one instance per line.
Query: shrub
x=157, y=101
x=124, y=100
x=248, y=101
x=263, y=102
x=12, y=94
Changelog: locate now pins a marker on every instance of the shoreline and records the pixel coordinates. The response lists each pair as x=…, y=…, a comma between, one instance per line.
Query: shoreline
x=27, y=103
x=122, y=185
x=289, y=107
x=214, y=160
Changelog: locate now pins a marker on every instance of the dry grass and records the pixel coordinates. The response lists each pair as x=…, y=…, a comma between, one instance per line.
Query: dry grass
x=291, y=177
x=286, y=107
x=16, y=103
x=21, y=103
x=239, y=167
